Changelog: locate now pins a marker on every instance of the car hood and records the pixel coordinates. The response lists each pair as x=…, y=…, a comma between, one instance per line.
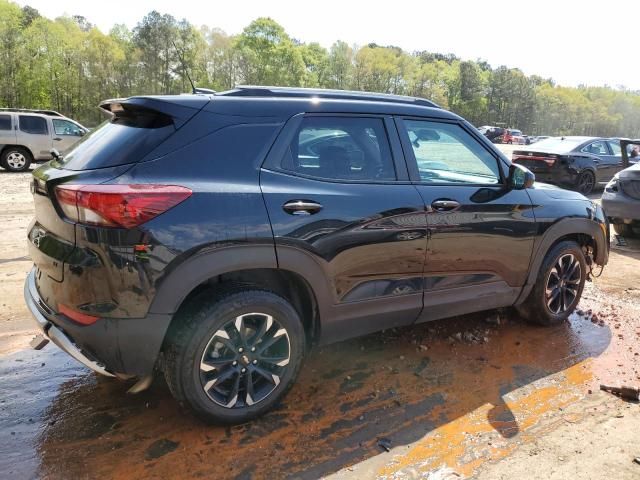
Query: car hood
x=631, y=173
x=557, y=192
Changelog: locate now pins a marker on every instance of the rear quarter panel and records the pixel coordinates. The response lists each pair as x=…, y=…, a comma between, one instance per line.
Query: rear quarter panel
x=226, y=209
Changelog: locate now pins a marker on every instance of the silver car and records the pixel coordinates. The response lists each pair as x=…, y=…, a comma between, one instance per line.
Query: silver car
x=28, y=136
x=621, y=196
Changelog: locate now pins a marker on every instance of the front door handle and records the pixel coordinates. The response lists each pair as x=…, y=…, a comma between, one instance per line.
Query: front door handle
x=301, y=207
x=57, y=139
x=445, y=205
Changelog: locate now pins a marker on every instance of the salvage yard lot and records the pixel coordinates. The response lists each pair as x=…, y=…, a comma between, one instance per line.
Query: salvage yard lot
x=485, y=396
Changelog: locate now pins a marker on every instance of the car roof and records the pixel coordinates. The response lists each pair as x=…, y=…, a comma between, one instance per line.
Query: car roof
x=283, y=102
x=578, y=138
x=280, y=101
x=37, y=113
x=322, y=93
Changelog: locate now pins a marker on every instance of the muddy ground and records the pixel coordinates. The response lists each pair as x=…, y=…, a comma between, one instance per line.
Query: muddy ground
x=518, y=402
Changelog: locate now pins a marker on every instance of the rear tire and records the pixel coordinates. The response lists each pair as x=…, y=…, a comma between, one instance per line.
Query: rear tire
x=232, y=355
x=16, y=159
x=626, y=230
x=558, y=287
x=586, y=182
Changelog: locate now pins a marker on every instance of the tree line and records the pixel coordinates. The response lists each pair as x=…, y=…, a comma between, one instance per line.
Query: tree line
x=69, y=65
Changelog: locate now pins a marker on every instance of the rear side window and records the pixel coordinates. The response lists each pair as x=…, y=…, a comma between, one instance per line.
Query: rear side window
x=596, y=148
x=5, y=122
x=34, y=125
x=116, y=142
x=341, y=148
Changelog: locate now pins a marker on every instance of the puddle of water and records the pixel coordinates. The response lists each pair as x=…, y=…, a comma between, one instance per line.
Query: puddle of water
x=30, y=382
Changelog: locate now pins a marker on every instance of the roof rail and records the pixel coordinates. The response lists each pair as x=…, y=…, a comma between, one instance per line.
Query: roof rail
x=52, y=113
x=261, y=91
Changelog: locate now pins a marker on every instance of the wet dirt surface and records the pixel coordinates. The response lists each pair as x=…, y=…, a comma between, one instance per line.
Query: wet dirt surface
x=462, y=393
x=415, y=386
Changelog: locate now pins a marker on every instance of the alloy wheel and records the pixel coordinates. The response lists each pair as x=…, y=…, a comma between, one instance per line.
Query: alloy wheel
x=563, y=283
x=245, y=360
x=586, y=183
x=16, y=160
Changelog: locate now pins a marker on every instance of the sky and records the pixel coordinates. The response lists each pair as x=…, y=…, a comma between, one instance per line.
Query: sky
x=574, y=42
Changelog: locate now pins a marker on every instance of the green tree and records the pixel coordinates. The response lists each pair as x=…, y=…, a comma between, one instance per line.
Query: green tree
x=154, y=37
x=268, y=56
x=340, y=66
x=69, y=65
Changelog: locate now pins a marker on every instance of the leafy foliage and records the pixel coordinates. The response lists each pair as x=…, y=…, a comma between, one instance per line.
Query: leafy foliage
x=69, y=65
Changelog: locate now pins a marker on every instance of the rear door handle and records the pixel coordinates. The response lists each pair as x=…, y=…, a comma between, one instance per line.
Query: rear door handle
x=57, y=139
x=445, y=205
x=301, y=207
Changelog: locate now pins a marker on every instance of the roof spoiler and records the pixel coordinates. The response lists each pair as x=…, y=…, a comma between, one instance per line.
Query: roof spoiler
x=179, y=109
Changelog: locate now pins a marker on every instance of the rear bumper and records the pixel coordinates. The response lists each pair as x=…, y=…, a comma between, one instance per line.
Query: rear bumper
x=109, y=346
x=556, y=175
x=620, y=207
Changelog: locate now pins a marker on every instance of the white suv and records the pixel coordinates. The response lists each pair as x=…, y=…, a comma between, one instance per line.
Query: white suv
x=29, y=135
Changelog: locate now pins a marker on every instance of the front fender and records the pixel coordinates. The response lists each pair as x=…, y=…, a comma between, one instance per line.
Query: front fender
x=596, y=228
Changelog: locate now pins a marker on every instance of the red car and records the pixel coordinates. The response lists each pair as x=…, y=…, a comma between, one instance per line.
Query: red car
x=511, y=135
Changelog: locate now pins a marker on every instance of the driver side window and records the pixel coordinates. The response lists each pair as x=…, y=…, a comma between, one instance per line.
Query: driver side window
x=64, y=127
x=341, y=148
x=446, y=153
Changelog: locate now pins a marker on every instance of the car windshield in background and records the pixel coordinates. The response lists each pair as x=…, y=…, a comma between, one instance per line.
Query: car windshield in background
x=560, y=144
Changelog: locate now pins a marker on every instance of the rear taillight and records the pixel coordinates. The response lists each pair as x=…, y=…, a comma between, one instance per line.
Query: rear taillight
x=550, y=160
x=124, y=206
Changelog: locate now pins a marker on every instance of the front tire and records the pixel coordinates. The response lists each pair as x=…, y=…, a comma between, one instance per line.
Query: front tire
x=233, y=355
x=16, y=159
x=558, y=287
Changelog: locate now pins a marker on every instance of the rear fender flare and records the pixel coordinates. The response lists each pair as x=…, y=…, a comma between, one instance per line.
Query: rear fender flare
x=197, y=269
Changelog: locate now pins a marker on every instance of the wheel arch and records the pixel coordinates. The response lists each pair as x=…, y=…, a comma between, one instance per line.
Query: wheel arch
x=8, y=147
x=302, y=284
x=585, y=232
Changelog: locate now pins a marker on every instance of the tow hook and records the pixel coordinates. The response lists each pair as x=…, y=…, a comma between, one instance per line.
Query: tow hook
x=39, y=342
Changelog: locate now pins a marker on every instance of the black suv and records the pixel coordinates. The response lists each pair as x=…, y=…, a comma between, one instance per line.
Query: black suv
x=217, y=236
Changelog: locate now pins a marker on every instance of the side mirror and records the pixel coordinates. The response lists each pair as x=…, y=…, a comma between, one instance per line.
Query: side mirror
x=520, y=177
x=427, y=134
x=80, y=133
x=56, y=154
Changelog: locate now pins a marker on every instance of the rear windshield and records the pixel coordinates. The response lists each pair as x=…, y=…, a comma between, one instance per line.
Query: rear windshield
x=116, y=142
x=559, y=144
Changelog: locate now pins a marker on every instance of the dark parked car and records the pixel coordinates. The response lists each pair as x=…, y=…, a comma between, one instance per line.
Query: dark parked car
x=492, y=133
x=581, y=163
x=621, y=196
x=217, y=237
